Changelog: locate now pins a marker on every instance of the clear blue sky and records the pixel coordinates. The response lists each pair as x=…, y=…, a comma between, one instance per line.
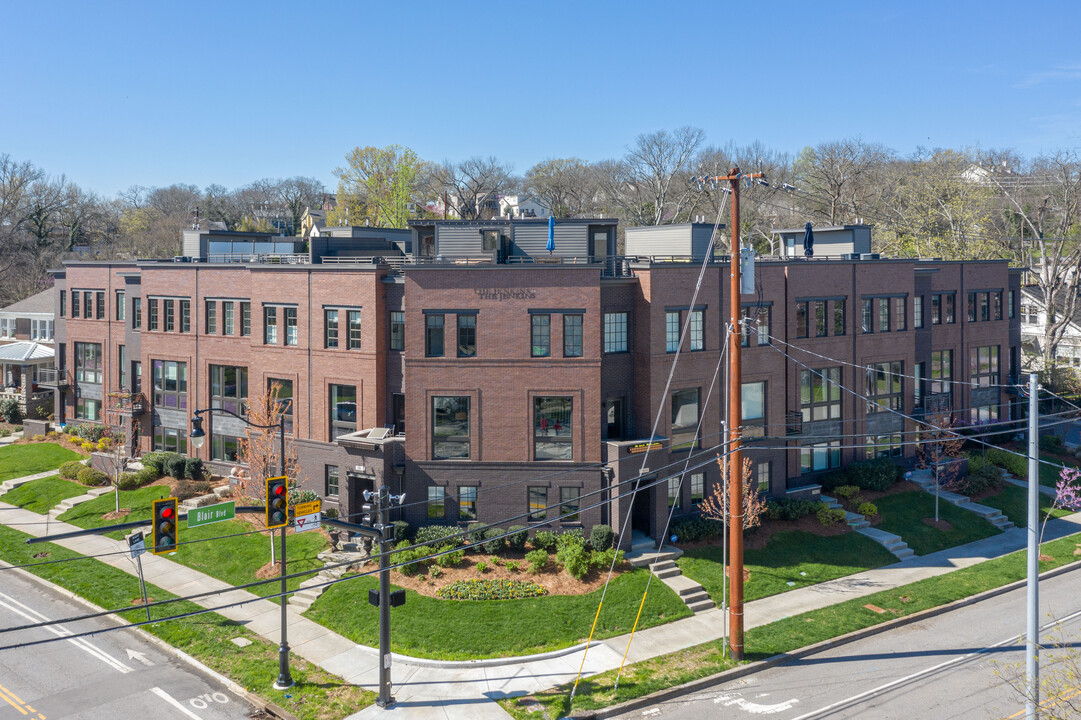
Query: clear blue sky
x=151, y=93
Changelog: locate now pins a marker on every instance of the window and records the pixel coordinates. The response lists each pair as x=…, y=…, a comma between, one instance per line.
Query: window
x=820, y=456
x=801, y=320
x=540, y=335
x=936, y=309
x=343, y=410
x=285, y=400
x=572, y=336
x=227, y=319
x=169, y=310
x=99, y=305
x=684, y=419
x=868, y=316
x=330, y=328
x=884, y=446
x=900, y=315
x=917, y=311
x=433, y=335
x=170, y=440
x=467, y=336
x=919, y=375
x=883, y=388
x=450, y=427
x=983, y=414
x=838, y=317
x=229, y=388
x=698, y=488
x=39, y=329
x=88, y=362
x=763, y=472
x=185, y=316
x=552, y=438
x=972, y=306
x=74, y=303
x=245, y=318
x=270, y=325
x=88, y=299
x=152, y=319
x=88, y=409
x=569, y=504
x=538, y=504
x=753, y=397
x=489, y=240
x=353, y=320
x=225, y=447
x=330, y=481
x=983, y=365
x=467, y=502
x=1009, y=305
x=820, y=319
x=985, y=306
x=397, y=401
x=397, y=330
x=941, y=371
x=759, y=317
x=137, y=376
x=673, y=492
x=211, y=317
x=615, y=332
x=697, y=330
x=820, y=394
x=949, y=308
x=170, y=384
x=673, y=324
x=291, y=327
x=7, y=327
x=63, y=303
x=613, y=414
x=121, y=306
x=122, y=367
x=437, y=502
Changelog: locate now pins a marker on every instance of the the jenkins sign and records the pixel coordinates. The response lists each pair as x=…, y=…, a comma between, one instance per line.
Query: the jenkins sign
x=504, y=294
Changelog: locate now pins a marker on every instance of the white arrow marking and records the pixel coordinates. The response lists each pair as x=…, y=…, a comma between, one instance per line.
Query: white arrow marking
x=752, y=707
x=136, y=655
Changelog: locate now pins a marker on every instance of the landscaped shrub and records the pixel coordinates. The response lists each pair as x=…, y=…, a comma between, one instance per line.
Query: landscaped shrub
x=602, y=559
x=696, y=528
x=153, y=462
x=435, y=571
x=514, y=565
x=829, y=517
x=476, y=535
x=878, y=474
x=985, y=478
x=401, y=530
x=91, y=477
x=493, y=541
x=89, y=432
x=173, y=465
x=868, y=509
x=70, y=470
x=846, y=491
x=9, y=410
x=453, y=558
x=497, y=561
x=791, y=509
x=517, y=539
x=537, y=559
x=482, y=567
x=1016, y=465
x=1051, y=443
x=435, y=533
x=5, y=433
x=128, y=481
x=412, y=561
x=545, y=540
x=571, y=537
x=193, y=468
x=491, y=590
x=601, y=537
x=146, y=476
x=574, y=559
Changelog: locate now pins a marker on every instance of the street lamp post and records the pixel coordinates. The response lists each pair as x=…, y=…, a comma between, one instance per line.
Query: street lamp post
x=198, y=437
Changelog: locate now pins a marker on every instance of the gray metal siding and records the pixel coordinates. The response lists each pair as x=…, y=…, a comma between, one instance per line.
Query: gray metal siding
x=700, y=240
x=190, y=246
x=532, y=240
x=659, y=240
x=451, y=241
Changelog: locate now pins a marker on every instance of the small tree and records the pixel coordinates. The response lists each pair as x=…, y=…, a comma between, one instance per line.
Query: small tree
x=939, y=441
x=260, y=449
x=717, y=504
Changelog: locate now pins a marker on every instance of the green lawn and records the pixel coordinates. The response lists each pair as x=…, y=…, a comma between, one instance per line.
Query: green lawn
x=29, y=459
x=798, y=557
x=43, y=494
x=317, y=695
x=1013, y=503
x=1049, y=474
x=140, y=501
x=902, y=514
x=453, y=630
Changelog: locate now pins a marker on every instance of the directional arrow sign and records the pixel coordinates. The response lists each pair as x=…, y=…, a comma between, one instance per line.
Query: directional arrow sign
x=308, y=522
x=136, y=655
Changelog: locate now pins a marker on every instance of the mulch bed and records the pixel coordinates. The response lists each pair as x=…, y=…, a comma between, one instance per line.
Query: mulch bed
x=937, y=524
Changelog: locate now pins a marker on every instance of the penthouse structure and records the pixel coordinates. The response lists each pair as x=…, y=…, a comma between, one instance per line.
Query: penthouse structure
x=465, y=364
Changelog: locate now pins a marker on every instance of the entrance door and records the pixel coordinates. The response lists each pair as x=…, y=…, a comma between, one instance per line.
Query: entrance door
x=613, y=412
x=642, y=510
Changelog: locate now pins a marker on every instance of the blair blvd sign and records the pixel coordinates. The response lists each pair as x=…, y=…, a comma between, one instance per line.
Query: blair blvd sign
x=211, y=514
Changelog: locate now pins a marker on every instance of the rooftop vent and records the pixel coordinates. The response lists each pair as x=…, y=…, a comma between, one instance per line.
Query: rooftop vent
x=868, y=256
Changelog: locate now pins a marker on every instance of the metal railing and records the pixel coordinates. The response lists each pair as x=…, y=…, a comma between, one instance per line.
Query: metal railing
x=260, y=258
x=53, y=377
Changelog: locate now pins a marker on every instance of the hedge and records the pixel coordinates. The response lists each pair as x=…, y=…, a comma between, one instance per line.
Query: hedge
x=491, y=590
x=435, y=533
x=70, y=470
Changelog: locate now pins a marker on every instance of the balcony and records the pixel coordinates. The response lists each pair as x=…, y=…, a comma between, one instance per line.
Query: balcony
x=134, y=404
x=54, y=378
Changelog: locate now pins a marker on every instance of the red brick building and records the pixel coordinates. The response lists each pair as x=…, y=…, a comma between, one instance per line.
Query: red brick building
x=489, y=379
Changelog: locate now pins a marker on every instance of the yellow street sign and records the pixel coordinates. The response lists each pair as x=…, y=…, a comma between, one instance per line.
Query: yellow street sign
x=307, y=508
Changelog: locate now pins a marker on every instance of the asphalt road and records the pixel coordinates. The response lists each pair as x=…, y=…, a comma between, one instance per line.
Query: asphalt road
x=113, y=676
x=951, y=666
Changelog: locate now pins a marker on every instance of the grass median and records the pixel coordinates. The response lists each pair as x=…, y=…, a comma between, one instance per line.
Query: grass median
x=795, y=632
x=317, y=695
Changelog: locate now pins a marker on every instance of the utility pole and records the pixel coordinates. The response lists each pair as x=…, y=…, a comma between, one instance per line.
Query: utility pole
x=385, y=699
x=1032, y=629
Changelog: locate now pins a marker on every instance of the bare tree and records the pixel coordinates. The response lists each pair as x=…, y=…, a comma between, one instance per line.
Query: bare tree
x=475, y=184
x=16, y=180
x=567, y=185
x=840, y=177
x=297, y=194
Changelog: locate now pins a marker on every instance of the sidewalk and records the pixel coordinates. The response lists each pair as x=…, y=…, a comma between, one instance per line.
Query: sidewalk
x=434, y=689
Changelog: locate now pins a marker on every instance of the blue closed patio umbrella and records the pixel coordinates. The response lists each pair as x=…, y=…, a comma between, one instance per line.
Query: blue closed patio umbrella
x=808, y=240
x=551, y=235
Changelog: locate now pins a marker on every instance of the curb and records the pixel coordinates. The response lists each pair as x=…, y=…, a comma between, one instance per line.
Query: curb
x=736, y=673
x=487, y=662
x=254, y=700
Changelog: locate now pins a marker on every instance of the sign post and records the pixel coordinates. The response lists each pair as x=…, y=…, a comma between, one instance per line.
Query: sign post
x=137, y=546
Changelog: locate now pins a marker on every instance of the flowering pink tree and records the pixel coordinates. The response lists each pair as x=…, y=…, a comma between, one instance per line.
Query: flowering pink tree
x=1067, y=495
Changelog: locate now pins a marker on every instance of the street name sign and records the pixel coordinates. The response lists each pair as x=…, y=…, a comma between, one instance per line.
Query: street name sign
x=303, y=523
x=211, y=514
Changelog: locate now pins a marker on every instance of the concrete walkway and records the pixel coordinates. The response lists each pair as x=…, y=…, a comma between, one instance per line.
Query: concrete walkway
x=433, y=689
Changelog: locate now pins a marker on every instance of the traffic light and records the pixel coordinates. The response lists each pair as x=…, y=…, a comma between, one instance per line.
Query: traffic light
x=165, y=526
x=277, y=502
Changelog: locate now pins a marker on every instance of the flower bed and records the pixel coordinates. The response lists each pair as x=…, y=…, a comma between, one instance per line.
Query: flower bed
x=492, y=589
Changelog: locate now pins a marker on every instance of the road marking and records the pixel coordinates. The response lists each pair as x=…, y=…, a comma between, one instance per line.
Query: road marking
x=136, y=655
x=174, y=702
x=1064, y=695
x=34, y=616
x=16, y=702
x=753, y=707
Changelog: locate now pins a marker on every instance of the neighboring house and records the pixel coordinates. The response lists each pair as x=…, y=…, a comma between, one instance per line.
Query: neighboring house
x=527, y=205
x=26, y=352
x=29, y=319
x=1033, y=312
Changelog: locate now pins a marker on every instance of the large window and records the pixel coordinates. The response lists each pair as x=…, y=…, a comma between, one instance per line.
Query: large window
x=673, y=326
x=756, y=323
x=353, y=318
x=838, y=317
x=225, y=447
x=820, y=456
x=330, y=481
x=538, y=504
x=99, y=305
x=868, y=315
x=343, y=410
x=884, y=446
x=330, y=325
x=801, y=319
x=450, y=427
x=228, y=321
x=753, y=396
x=552, y=437
x=88, y=362
x=169, y=310
x=615, y=332
x=984, y=305
x=467, y=335
x=941, y=371
x=88, y=409
x=229, y=388
x=397, y=330
x=211, y=317
x=285, y=400
x=572, y=336
x=569, y=504
x=883, y=389
x=684, y=418
x=917, y=311
x=152, y=314
x=245, y=318
x=170, y=440
x=291, y=327
x=185, y=316
x=467, y=502
x=983, y=365
x=39, y=329
x=170, y=384
x=270, y=325
x=437, y=502
x=540, y=335
x=433, y=335
x=121, y=306
x=820, y=394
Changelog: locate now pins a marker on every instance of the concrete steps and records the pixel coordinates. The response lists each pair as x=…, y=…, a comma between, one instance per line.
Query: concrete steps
x=898, y=547
x=925, y=480
x=831, y=503
x=664, y=569
x=856, y=521
x=691, y=593
x=308, y=593
x=69, y=503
